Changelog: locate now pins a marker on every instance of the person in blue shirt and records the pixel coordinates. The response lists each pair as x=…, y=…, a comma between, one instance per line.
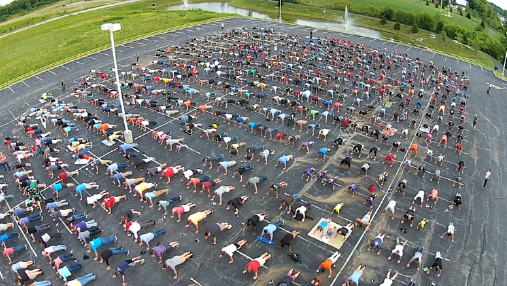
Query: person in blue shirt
x=120, y=270
x=66, y=271
x=377, y=242
x=323, y=152
x=352, y=188
x=98, y=242
x=284, y=159
x=271, y=228
x=322, y=227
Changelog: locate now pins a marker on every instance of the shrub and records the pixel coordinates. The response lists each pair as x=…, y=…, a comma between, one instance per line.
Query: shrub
x=397, y=26
x=469, y=16
x=444, y=35
x=383, y=20
x=388, y=12
x=415, y=29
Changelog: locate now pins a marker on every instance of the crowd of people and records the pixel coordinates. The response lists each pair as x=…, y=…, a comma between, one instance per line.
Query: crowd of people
x=211, y=86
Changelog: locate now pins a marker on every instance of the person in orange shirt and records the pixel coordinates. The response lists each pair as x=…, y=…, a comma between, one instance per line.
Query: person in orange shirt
x=328, y=264
x=413, y=149
x=196, y=181
x=3, y=161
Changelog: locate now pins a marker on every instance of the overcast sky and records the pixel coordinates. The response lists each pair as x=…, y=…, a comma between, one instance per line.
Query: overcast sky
x=500, y=3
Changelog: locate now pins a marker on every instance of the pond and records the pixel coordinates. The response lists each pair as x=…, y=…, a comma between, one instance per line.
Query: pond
x=224, y=7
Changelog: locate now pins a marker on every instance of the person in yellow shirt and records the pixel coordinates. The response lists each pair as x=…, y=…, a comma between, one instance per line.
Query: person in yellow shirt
x=197, y=217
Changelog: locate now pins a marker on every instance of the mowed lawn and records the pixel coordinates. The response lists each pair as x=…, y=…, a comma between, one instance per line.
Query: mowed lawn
x=50, y=11
x=404, y=5
x=46, y=44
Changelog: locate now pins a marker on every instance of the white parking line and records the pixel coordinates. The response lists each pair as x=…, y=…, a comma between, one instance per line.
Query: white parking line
x=52, y=72
x=38, y=77
x=79, y=62
x=409, y=49
x=433, y=54
x=361, y=37
x=25, y=83
x=92, y=58
x=384, y=43
x=445, y=58
x=65, y=67
x=372, y=40
x=421, y=51
x=397, y=45
x=470, y=66
x=10, y=89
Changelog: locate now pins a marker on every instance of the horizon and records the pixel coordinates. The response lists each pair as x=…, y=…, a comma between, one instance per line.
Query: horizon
x=500, y=3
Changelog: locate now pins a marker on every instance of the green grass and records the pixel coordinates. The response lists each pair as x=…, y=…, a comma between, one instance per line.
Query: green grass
x=48, y=12
x=290, y=11
x=404, y=5
x=62, y=39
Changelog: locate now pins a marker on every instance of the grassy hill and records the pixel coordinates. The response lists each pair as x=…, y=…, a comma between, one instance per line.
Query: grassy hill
x=370, y=7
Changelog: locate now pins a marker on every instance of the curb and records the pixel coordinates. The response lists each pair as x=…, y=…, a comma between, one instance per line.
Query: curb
x=103, y=48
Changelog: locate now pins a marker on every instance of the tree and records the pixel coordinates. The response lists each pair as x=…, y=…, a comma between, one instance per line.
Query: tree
x=427, y=3
x=482, y=24
x=415, y=29
x=388, y=12
x=425, y=21
x=397, y=26
x=410, y=18
x=460, y=12
x=469, y=16
x=383, y=20
x=437, y=6
x=459, y=38
x=439, y=27
x=444, y=35
x=399, y=16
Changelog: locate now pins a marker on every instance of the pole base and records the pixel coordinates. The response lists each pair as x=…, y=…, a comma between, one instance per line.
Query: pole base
x=128, y=137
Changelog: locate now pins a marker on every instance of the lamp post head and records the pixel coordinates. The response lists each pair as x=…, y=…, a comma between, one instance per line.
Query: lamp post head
x=110, y=27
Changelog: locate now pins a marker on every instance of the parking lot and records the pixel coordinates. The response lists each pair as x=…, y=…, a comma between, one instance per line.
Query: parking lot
x=472, y=259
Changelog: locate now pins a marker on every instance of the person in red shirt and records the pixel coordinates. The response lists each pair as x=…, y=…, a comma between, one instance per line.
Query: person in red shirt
x=389, y=157
x=111, y=201
x=64, y=175
x=257, y=263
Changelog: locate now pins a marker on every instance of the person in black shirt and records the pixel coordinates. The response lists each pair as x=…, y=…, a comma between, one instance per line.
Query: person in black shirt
x=236, y=202
x=286, y=240
x=108, y=253
x=215, y=229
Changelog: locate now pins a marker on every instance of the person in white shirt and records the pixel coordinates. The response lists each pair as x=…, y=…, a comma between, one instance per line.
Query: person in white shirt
x=365, y=221
x=486, y=178
x=391, y=207
x=420, y=195
x=449, y=232
x=388, y=281
x=231, y=248
x=398, y=250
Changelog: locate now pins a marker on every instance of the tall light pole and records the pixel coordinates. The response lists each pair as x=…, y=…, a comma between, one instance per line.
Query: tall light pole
x=280, y=17
x=504, y=61
x=111, y=28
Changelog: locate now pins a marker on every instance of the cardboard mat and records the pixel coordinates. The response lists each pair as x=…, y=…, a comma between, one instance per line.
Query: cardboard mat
x=335, y=241
x=108, y=143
